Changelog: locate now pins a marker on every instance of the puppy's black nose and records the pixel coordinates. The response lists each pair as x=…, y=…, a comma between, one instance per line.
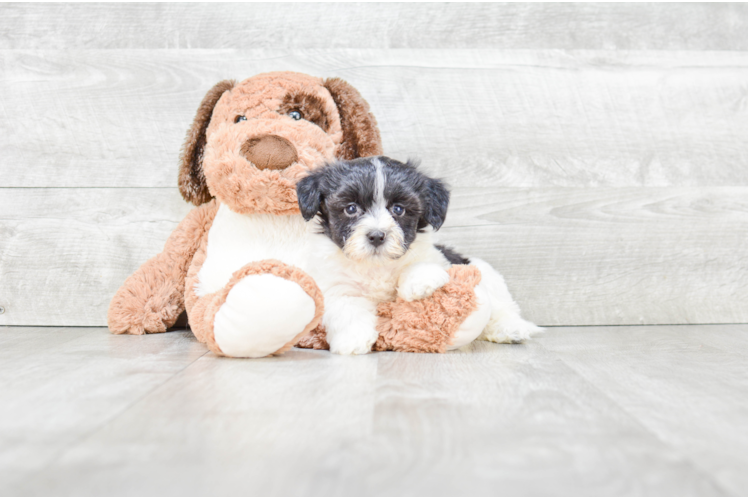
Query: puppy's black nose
x=376, y=238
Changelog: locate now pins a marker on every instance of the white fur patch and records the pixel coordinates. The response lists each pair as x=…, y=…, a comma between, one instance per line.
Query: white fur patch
x=261, y=314
x=379, y=182
x=236, y=240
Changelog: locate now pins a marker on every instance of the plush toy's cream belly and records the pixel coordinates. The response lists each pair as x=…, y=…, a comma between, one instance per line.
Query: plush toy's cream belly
x=235, y=240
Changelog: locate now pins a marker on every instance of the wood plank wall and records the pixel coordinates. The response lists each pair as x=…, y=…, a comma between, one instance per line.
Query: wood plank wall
x=598, y=153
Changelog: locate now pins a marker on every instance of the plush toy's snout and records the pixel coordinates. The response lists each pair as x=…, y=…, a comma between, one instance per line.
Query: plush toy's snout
x=270, y=152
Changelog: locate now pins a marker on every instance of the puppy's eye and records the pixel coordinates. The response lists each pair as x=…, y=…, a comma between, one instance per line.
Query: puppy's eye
x=240, y=118
x=351, y=209
x=296, y=115
x=398, y=210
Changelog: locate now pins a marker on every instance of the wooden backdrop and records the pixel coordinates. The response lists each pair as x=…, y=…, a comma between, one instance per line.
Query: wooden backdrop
x=598, y=153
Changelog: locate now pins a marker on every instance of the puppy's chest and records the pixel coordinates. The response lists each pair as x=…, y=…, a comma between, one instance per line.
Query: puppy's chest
x=236, y=240
x=338, y=276
x=378, y=284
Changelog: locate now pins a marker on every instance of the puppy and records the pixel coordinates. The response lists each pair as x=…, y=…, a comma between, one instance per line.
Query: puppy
x=376, y=221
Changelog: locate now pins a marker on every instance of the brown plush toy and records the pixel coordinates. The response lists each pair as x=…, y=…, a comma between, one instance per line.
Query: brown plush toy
x=236, y=262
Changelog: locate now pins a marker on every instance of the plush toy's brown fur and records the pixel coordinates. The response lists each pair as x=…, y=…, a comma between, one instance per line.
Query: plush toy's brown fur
x=244, y=151
x=152, y=298
x=427, y=325
x=192, y=183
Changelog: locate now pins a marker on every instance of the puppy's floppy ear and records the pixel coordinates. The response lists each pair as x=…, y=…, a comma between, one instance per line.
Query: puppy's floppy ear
x=192, y=183
x=436, y=200
x=309, y=194
x=360, y=132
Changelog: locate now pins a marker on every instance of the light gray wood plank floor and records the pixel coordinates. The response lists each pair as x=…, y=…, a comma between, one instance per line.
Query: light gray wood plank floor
x=644, y=410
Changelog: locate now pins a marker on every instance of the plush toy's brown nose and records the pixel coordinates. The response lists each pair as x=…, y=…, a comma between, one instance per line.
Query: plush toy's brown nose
x=270, y=152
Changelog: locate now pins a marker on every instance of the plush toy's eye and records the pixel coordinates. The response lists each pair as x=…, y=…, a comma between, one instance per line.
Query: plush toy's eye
x=240, y=118
x=296, y=115
x=351, y=209
x=398, y=210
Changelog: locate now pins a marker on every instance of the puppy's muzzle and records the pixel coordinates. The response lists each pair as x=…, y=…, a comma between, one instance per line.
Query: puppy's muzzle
x=270, y=152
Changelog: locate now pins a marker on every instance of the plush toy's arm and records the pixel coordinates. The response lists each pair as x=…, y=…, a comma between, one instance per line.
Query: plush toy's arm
x=153, y=297
x=434, y=323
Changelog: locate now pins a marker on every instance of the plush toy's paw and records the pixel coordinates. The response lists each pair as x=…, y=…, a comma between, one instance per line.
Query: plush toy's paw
x=510, y=329
x=147, y=322
x=133, y=314
x=420, y=281
x=268, y=306
x=316, y=339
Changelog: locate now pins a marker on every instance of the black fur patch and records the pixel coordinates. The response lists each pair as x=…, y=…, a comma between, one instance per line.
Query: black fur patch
x=453, y=257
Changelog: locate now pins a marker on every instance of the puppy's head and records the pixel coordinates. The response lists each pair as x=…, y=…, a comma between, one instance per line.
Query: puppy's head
x=250, y=142
x=373, y=208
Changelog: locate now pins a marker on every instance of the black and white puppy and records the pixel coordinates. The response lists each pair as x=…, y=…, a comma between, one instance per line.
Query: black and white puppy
x=376, y=219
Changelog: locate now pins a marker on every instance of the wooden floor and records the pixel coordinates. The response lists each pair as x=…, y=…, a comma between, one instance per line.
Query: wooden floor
x=578, y=411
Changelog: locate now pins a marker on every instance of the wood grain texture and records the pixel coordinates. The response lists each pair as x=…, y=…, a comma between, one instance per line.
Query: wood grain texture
x=117, y=118
x=579, y=411
x=64, y=252
x=60, y=385
x=571, y=256
x=612, y=256
x=686, y=384
x=370, y=25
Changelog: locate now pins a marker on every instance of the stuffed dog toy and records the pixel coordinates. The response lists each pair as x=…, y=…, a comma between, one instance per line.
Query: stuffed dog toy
x=237, y=262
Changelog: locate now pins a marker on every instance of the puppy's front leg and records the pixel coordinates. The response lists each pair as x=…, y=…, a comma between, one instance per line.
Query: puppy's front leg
x=421, y=280
x=351, y=324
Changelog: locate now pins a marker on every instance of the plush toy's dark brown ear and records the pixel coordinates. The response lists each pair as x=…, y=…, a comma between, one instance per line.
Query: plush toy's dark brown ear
x=360, y=132
x=191, y=177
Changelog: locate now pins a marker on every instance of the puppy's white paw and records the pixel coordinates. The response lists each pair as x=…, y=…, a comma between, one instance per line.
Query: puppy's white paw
x=351, y=325
x=421, y=280
x=353, y=342
x=509, y=330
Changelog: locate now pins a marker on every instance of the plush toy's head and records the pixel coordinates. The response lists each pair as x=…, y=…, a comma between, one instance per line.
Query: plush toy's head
x=250, y=142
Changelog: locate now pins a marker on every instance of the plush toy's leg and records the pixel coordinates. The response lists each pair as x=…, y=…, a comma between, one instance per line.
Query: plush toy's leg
x=453, y=316
x=505, y=325
x=153, y=297
x=265, y=309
